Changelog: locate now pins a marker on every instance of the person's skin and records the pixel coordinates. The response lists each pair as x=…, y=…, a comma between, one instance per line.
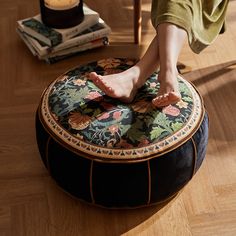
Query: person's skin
x=163, y=52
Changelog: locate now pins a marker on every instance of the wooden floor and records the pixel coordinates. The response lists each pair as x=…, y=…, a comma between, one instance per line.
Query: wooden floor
x=31, y=203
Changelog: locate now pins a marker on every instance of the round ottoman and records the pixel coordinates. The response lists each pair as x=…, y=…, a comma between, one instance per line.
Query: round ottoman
x=119, y=155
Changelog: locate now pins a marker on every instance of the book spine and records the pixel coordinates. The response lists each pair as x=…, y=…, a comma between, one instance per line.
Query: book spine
x=86, y=46
x=82, y=39
x=91, y=44
x=59, y=57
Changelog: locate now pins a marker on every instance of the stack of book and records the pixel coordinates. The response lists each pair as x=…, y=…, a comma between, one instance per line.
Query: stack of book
x=52, y=45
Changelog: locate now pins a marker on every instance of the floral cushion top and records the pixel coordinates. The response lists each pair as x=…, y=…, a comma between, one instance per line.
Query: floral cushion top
x=81, y=115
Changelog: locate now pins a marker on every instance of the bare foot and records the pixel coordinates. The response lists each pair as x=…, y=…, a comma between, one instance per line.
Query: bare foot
x=169, y=90
x=122, y=86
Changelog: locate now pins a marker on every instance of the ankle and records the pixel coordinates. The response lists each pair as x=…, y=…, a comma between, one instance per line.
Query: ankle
x=135, y=73
x=168, y=71
x=168, y=65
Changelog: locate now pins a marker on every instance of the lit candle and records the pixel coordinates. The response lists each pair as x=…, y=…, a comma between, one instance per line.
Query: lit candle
x=61, y=4
x=61, y=13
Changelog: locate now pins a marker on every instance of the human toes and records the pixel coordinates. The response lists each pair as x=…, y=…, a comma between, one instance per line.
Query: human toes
x=166, y=99
x=92, y=76
x=157, y=101
x=97, y=79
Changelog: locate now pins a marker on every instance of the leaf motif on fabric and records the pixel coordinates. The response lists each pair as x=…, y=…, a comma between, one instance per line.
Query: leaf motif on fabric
x=156, y=132
x=176, y=126
x=136, y=131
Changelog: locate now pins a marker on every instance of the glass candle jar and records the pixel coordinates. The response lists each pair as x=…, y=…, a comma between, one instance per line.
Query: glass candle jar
x=61, y=13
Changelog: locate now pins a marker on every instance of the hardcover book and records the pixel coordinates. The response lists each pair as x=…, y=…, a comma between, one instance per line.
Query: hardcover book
x=64, y=53
x=51, y=36
x=54, y=57
x=97, y=31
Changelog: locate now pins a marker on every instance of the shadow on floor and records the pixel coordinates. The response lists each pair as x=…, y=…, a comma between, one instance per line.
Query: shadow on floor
x=68, y=216
x=217, y=85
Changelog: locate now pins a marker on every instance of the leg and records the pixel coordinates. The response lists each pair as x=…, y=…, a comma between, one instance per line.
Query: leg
x=124, y=85
x=137, y=20
x=171, y=39
x=164, y=48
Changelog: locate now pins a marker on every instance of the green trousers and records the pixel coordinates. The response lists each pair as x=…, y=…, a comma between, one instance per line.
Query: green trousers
x=203, y=20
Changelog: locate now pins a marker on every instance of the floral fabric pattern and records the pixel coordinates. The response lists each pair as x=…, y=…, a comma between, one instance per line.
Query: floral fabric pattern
x=85, y=112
